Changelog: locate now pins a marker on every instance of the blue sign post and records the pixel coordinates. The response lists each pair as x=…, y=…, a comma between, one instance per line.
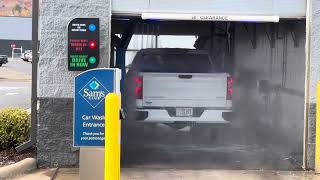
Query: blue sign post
x=90, y=89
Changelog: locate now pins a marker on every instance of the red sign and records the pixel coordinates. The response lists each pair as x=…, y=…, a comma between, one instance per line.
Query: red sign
x=13, y=45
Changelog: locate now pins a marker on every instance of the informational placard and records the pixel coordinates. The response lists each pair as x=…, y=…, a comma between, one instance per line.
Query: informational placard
x=83, y=44
x=91, y=88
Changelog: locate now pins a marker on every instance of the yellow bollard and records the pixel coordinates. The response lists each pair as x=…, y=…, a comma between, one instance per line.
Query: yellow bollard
x=112, y=137
x=317, y=155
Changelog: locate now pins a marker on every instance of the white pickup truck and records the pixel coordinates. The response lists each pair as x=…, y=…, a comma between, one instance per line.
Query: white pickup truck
x=177, y=86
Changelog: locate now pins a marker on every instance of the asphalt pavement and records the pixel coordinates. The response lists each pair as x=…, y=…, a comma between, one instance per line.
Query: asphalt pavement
x=19, y=65
x=15, y=94
x=15, y=84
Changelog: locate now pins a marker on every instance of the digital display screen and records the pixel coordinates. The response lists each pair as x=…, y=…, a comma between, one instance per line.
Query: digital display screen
x=83, y=44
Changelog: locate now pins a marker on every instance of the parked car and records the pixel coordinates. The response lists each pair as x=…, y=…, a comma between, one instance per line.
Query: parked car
x=173, y=86
x=3, y=59
x=27, y=56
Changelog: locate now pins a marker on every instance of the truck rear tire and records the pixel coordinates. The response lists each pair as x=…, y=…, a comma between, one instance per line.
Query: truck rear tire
x=0, y=64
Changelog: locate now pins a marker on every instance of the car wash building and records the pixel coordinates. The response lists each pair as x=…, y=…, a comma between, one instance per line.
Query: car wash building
x=269, y=47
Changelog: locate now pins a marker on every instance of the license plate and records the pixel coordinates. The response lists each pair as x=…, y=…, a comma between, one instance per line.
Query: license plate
x=184, y=112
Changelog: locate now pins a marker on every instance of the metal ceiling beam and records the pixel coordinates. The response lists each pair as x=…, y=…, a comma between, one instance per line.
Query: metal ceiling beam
x=121, y=50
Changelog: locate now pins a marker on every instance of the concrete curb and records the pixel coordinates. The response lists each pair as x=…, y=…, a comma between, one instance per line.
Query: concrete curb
x=18, y=168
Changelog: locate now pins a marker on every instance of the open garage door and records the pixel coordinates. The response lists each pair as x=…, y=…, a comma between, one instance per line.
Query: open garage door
x=281, y=8
x=180, y=113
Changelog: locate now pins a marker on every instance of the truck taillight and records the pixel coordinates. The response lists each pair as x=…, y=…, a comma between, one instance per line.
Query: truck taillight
x=229, y=88
x=138, y=87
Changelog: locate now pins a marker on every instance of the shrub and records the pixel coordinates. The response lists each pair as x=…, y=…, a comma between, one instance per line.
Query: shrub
x=14, y=127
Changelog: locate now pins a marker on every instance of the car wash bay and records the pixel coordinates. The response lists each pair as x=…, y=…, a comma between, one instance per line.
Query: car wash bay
x=267, y=62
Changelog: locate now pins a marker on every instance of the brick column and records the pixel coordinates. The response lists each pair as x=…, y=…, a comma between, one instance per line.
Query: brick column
x=56, y=83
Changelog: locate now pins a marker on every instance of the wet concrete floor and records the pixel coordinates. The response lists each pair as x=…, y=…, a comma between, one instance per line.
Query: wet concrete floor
x=160, y=146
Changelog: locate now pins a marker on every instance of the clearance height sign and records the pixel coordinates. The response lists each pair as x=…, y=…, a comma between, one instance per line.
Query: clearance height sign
x=83, y=44
x=91, y=88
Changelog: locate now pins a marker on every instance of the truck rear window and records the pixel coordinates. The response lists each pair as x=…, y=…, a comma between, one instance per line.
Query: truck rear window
x=173, y=63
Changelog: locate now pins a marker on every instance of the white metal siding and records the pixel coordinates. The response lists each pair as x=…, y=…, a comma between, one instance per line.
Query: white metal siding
x=283, y=8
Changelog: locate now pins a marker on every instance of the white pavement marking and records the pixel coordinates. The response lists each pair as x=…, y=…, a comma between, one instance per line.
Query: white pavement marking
x=11, y=94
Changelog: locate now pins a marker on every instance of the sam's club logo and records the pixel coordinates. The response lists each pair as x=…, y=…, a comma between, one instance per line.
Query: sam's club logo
x=94, y=92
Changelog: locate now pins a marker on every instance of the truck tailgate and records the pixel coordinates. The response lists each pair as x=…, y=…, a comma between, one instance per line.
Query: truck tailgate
x=185, y=90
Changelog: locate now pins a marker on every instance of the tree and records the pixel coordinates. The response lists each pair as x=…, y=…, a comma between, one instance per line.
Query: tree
x=18, y=8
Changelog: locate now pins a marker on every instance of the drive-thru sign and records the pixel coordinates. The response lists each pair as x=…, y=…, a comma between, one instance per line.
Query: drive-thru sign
x=90, y=89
